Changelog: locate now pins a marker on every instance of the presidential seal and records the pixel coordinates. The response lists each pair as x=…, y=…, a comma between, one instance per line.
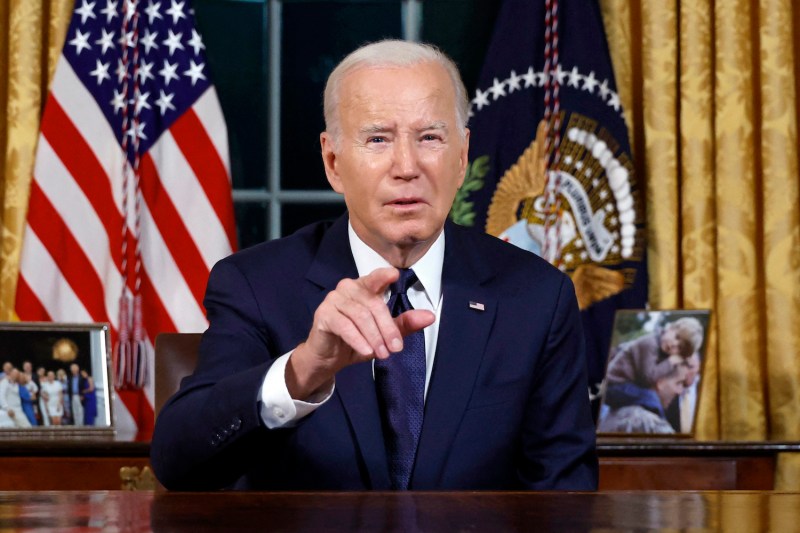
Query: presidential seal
x=598, y=215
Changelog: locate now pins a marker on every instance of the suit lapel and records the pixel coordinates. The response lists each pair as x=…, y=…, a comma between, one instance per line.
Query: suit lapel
x=355, y=386
x=463, y=333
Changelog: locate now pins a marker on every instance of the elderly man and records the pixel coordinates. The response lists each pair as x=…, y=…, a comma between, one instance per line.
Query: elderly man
x=472, y=377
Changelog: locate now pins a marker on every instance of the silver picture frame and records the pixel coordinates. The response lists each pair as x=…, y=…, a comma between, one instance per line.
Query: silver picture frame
x=43, y=352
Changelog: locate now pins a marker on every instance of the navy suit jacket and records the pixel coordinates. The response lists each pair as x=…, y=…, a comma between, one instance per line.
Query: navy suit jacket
x=507, y=405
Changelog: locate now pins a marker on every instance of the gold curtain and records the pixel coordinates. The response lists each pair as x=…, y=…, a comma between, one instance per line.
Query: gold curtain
x=31, y=36
x=711, y=92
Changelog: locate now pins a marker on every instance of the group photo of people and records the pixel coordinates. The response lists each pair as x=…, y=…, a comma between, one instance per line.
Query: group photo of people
x=47, y=397
x=653, y=376
x=47, y=380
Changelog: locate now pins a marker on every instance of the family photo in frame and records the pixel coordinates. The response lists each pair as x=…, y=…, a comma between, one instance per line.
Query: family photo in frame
x=54, y=381
x=654, y=372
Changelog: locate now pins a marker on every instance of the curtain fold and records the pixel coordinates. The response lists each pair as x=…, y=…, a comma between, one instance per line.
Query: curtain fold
x=31, y=36
x=697, y=171
x=781, y=212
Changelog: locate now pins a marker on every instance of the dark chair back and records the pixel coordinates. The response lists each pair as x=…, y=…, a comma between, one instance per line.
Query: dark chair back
x=176, y=357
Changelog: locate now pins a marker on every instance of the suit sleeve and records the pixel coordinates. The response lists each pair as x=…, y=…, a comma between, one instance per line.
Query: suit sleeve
x=209, y=432
x=559, y=444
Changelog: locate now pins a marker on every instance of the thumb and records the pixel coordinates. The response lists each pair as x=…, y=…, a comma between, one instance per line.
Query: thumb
x=414, y=320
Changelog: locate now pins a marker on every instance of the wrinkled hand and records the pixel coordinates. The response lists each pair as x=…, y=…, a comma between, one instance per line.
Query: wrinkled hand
x=353, y=324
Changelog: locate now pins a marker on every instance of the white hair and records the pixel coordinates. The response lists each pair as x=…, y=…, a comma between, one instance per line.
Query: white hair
x=391, y=53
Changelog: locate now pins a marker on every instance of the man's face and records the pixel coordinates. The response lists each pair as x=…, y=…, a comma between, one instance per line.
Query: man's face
x=400, y=157
x=670, y=387
x=692, y=369
x=74, y=369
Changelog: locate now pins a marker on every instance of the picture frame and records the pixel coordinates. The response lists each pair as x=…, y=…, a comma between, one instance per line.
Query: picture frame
x=55, y=381
x=653, y=378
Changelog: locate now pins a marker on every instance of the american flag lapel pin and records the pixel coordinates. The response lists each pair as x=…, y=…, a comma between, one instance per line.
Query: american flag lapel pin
x=477, y=306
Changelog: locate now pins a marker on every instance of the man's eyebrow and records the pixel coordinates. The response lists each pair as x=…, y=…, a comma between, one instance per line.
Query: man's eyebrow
x=438, y=125
x=374, y=128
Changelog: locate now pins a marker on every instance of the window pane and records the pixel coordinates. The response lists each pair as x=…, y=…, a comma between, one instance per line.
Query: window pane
x=251, y=223
x=316, y=36
x=234, y=32
x=462, y=28
x=295, y=216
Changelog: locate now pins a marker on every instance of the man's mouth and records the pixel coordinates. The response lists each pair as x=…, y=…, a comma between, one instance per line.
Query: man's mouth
x=405, y=201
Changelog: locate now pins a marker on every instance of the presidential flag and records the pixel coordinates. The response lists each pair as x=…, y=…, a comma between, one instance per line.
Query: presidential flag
x=130, y=203
x=550, y=166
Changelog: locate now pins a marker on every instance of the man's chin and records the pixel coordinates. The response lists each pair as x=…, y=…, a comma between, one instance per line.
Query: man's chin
x=413, y=235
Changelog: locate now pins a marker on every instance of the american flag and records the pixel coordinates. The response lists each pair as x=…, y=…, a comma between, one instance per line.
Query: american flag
x=132, y=131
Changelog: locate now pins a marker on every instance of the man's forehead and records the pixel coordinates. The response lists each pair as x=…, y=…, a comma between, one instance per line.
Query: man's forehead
x=426, y=105
x=368, y=85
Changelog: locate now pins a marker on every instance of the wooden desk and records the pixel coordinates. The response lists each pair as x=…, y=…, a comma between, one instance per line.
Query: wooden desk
x=684, y=464
x=407, y=512
x=70, y=465
x=632, y=464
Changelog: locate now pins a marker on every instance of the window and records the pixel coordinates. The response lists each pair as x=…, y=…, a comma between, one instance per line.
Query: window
x=269, y=61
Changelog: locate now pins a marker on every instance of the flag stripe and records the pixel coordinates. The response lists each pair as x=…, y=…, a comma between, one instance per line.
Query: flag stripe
x=85, y=117
x=183, y=187
x=191, y=137
x=75, y=267
x=156, y=317
x=85, y=170
x=209, y=113
x=140, y=410
x=75, y=210
x=179, y=299
x=176, y=237
x=48, y=284
x=29, y=308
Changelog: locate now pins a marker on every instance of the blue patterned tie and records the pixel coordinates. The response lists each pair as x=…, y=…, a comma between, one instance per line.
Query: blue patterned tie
x=400, y=381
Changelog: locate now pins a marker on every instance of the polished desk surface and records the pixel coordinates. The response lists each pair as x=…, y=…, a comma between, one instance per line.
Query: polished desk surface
x=422, y=511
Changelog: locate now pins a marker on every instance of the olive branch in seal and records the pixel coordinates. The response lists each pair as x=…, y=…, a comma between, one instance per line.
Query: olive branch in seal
x=463, y=212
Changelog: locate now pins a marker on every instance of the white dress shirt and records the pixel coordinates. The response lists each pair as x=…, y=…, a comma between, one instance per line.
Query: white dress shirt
x=279, y=409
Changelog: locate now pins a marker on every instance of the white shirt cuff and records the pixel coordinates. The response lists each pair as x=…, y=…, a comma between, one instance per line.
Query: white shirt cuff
x=278, y=409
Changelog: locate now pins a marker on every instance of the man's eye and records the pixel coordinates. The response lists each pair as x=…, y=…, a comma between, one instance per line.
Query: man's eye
x=376, y=140
x=430, y=137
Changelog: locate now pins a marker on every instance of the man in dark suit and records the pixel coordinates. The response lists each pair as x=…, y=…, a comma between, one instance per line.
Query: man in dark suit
x=475, y=379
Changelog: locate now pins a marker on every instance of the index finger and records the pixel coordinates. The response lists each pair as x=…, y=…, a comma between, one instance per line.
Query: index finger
x=379, y=279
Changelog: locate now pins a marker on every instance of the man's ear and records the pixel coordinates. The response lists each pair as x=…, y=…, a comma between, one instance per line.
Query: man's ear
x=329, y=161
x=464, y=157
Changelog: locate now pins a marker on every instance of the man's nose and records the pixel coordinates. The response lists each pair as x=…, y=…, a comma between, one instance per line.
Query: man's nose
x=405, y=159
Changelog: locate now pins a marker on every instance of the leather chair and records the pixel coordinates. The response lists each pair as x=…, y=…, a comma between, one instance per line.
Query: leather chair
x=175, y=358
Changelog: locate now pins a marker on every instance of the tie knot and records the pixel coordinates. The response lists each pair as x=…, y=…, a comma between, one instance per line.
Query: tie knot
x=407, y=279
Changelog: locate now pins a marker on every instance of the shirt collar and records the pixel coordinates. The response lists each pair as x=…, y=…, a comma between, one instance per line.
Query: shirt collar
x=428, y=268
